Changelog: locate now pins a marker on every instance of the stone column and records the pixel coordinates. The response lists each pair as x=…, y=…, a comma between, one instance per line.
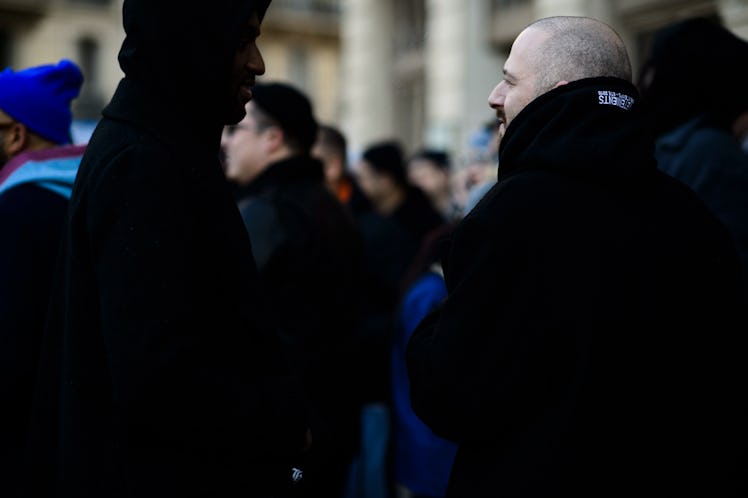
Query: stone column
x=445, y=69
x=461, y=70
x=367, y=112
x=735, y=16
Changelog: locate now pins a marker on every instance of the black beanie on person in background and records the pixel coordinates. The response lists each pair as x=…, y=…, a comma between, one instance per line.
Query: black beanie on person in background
x=291, y=109
x=387, y=158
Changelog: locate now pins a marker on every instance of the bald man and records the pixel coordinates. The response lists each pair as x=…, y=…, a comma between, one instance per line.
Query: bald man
x=586, y=346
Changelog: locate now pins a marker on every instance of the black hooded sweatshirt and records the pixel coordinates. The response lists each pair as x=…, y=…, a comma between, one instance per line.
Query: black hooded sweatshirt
x=160, y=375
x=585, y=347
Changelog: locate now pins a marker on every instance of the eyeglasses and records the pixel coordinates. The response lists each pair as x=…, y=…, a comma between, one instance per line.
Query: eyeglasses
x=231, y=129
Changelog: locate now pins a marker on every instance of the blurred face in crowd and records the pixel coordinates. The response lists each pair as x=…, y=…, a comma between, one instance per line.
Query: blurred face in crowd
x=372, y=183
x=246, y=146
x=519, y=86
x=333, y=165
x=429, y=177
x=248, y=64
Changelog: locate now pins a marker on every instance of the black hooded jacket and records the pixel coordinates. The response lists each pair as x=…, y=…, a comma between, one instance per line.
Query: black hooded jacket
x=585, y=347
x=160, y=375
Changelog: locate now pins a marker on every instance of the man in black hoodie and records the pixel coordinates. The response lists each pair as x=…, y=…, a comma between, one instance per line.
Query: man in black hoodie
x=160, y=376
x=587, y=346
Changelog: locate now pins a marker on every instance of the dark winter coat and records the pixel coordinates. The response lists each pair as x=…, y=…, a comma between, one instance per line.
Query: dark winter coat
x=160, y=376
x=391, y=245
x=310, y=259
x=34, y=190
x=585, y=347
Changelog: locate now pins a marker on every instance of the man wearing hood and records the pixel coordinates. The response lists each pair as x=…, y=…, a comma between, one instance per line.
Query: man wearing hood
x=586, y=347
x=37, y=169
x=697, y=141
x=160, y=375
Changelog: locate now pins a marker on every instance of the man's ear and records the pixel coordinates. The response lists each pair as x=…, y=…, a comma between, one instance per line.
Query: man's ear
x=561, y=83
x=276, y=138
x=15, y=140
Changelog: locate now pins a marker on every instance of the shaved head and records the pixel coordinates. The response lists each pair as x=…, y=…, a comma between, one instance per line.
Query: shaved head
x=552, y=52
x=577, y=48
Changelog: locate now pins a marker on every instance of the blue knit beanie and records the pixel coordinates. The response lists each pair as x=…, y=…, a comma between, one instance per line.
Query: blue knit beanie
x=40, y=96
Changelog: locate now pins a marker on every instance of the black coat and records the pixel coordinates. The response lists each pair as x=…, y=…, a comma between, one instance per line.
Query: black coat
x=310, y=259
x=31, y=221
x=160, y=375
x=586, y=345
x=391, y=245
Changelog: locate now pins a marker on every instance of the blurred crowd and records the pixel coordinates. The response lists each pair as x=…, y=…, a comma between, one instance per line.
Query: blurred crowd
x=141, y=329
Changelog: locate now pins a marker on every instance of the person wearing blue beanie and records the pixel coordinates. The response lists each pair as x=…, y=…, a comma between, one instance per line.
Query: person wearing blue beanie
x=37, y=171
x=39, y=98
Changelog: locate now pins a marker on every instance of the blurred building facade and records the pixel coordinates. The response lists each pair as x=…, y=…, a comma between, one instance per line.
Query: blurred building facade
x=421, y=70
x=88, y=32
x=416, y=70
x=300, y=42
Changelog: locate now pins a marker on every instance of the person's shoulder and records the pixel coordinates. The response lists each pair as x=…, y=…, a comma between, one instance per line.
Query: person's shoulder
x=122, y=159
x=116, y=143
x=256, y=205
x=30, y=206
x=429, y=285
x=692, y=142
x=29, y=197
x=526, y=192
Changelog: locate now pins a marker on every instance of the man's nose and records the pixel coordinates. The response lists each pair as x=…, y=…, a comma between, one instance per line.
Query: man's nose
x=496, y=99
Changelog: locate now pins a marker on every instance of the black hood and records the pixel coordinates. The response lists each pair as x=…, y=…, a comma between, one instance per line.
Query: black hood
x=588, y=128
x=697, y=68
x=182, y=52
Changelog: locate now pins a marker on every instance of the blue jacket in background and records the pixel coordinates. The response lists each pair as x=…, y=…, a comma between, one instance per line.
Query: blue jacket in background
x=422, y=460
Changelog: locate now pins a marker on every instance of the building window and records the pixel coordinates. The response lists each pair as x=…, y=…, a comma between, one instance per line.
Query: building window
x=502, y=4
x=314, y=5
x=90, y=103
x=5, y=50
x=88, y=53
x=93, y=2
x=410, y=25
x=298, y=70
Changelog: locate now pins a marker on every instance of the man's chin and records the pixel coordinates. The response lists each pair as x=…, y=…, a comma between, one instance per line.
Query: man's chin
x=236, y=114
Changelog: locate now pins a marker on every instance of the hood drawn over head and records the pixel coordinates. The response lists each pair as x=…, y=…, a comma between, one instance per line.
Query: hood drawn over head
x=182, y=52
x=696, y=68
